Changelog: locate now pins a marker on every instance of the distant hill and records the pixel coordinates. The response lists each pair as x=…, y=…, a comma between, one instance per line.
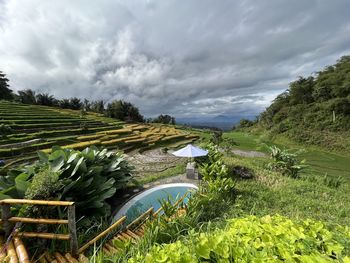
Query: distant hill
x=314, y=110
x=223, y=122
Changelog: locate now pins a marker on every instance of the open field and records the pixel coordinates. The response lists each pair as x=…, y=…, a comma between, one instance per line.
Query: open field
x=320, y=161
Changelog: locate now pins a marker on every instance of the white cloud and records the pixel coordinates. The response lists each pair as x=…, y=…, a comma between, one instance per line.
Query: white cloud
x=188, y=58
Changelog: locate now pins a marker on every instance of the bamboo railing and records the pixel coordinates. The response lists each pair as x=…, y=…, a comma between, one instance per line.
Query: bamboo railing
x=131, y=230
x=148, y=215
x=102, y=234
x=8, y=221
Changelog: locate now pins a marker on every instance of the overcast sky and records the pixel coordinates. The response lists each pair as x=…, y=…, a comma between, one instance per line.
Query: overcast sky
x=188, y=57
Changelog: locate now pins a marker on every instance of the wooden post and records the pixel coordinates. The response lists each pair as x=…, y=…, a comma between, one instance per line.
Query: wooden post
x=6, y=214
x=72, y=230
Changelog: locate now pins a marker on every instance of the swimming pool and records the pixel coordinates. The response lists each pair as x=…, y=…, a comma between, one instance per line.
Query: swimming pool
x=150, y=198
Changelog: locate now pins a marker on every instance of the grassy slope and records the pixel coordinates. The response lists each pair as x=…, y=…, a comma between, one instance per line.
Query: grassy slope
x=320, y=161
x=308, y=197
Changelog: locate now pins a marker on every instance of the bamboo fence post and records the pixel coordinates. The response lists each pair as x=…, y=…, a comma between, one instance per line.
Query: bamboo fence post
x=6, y=214
x=72, y=230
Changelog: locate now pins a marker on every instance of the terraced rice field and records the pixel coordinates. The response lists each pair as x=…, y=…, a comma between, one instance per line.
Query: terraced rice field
x=39, y=128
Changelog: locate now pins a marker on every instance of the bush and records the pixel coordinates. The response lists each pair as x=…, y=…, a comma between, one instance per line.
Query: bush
x=212, y=167
x=212, y=171
x=253, y=239
x=211, y=200
x=216, y=137
x=5, y=129
x=88, y=178
x=285, y=162
x=213, y=155
x=44, y=186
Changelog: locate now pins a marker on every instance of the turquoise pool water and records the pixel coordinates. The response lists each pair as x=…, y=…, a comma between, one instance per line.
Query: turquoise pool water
x=151, y=197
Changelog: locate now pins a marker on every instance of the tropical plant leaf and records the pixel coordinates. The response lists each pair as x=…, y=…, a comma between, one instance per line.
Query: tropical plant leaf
x=57, y=163
x=43, y=157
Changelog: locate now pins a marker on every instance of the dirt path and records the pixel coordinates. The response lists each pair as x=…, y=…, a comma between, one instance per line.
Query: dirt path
x=251, y=154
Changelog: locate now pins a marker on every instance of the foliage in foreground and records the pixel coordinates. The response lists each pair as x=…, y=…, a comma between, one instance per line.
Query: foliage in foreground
x=253, y=239
x=88, y=177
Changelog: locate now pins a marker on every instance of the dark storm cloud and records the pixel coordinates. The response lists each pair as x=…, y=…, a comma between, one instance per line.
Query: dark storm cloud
x=179, y=57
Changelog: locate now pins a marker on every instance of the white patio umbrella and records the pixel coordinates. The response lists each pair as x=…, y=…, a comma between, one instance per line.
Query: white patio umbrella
x=190, y=151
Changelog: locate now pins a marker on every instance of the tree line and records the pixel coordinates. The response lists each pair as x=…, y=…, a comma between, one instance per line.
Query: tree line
x=118, y=109
x=329, y=89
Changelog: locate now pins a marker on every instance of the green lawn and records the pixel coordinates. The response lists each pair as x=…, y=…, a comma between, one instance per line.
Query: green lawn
x=320, y=161
x=272, y=193
x=307, y=197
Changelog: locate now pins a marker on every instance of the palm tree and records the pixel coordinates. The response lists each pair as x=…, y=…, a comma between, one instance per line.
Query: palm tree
x=45, y=99
x=75, y=103
x=27, y=96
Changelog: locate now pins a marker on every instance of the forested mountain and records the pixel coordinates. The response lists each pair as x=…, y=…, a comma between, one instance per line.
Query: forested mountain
x=315, y=109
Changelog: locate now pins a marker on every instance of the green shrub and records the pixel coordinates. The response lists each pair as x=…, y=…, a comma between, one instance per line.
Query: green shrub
x=211, y=166
x=211, y=200
x=285, y=162
x=5, y=129
x=88, y=178
x=213, y=155
x=214, y=170
x=253, y=239
x=216, y=137
x=44, y=186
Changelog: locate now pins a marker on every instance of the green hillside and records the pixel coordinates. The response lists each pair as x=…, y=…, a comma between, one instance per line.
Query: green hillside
x=26, y=129
x=314, y=110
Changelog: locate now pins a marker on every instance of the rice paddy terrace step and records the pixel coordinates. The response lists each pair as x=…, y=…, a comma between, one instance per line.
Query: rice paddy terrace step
x=36, y=127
